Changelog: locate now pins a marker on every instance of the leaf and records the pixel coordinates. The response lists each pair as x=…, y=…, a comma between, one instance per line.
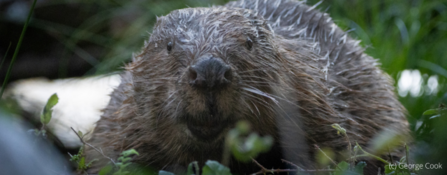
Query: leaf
x=253, y=145
x=191, y=166
x=124, y=159
x=215, y=168
x=129, y=153
x=430, y=112
x=359, y=167
x=435, y=111
x=105, y=170
x=161, y=172
x=435, y=116
x=90, y=163
x=81, y=163
x=243, y=127
x=339, y=129
x=343, y=167
x=267, y=142
x=389, y=170
x=48, y=109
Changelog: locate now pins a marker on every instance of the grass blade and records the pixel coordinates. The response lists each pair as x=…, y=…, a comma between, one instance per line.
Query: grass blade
x=4, y=57
x=17, y=48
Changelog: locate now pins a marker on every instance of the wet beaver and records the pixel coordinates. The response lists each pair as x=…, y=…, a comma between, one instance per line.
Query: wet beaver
x=281, y=65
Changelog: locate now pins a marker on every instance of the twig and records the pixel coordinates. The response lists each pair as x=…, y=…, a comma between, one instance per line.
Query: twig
x=336, y=166
x=290, y=163
x=345, y=133
x=265, y=170
x=349, y=148
x=96, y=149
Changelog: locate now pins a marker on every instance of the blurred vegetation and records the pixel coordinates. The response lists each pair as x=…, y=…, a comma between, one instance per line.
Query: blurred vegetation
x=402, y=34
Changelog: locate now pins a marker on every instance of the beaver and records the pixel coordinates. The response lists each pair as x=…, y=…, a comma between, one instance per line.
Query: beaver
x=283, y=66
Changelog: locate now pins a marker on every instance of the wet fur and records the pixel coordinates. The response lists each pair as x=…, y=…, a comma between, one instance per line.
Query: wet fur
x=300, y=61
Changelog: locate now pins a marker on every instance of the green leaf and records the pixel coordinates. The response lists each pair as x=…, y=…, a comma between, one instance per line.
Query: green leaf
x=389, y=170
x=243, y=127
x=161, y=172
x=435, y=111
x=191, y=166
x=339, y=128
x=431, y=112
x=129, y=153
x=90, y=163
x=124, y=159
x=81, y=163
x=253, y=145
x=105, y=170
x=359, y=167
x=267, y=142
x=215, y=168
x=48, y=109
x=343, y=167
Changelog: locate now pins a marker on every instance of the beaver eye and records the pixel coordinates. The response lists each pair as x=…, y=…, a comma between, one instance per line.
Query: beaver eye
x=169, y=47
x=249, y=43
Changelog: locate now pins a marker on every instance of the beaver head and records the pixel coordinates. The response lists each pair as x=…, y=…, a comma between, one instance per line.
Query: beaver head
x=205, y=68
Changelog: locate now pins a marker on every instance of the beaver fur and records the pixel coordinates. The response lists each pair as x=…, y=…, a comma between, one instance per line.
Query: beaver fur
x=281, y=65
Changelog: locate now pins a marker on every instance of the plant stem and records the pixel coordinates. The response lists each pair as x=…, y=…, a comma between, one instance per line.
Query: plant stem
x=367, y=154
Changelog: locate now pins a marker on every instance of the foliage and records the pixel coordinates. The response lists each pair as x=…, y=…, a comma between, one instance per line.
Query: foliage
x=124, y=161
x=402, y=34
x=47, y=113
x=79, y=159
x=246, y=148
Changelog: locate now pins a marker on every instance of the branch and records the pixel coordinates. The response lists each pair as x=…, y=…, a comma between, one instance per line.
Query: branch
x=96, y=149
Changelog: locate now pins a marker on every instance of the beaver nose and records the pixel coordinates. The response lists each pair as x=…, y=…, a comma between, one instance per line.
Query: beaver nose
x=210, y=73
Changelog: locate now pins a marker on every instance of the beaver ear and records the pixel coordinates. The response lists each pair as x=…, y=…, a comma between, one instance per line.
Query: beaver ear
x=249, y=43
x=169, y=47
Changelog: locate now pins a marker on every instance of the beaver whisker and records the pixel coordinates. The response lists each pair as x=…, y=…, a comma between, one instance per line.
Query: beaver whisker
x=254, y=77
x=159, y=78
x=256, y=107
x=252, y=82
x=249, y=107
x=167, y=104
x=259, y=92
x=180, y=102
x=251, y=70
x=259, y=101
